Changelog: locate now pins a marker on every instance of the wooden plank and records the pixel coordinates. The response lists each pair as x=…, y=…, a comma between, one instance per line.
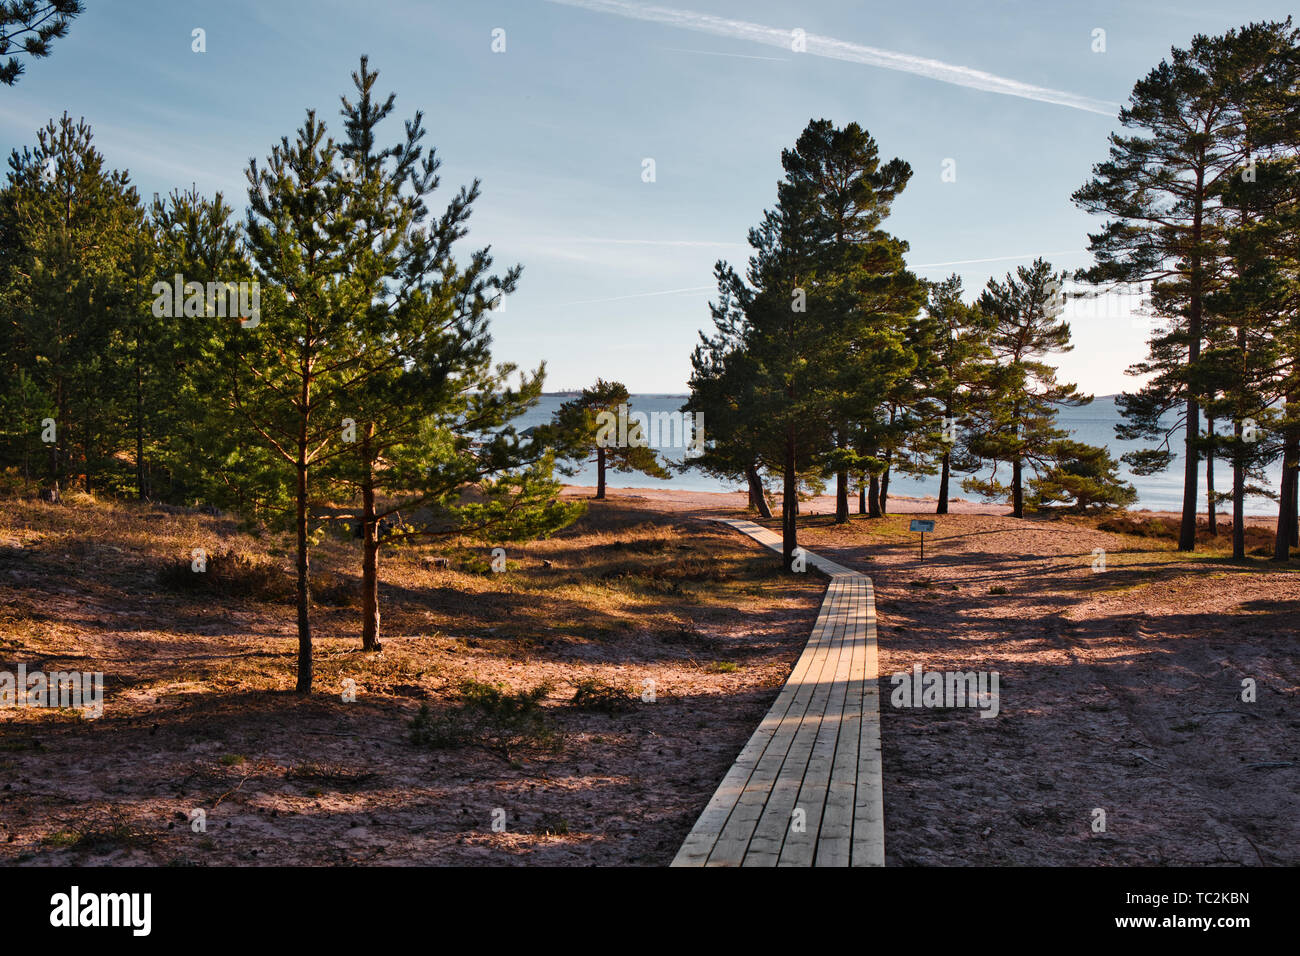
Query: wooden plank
x=702, y=838
x=733, y=841
x=835, y=834
x=699, y=844
x=801, y=848
x=868, y=806
x=774, y=826
x=816, y=749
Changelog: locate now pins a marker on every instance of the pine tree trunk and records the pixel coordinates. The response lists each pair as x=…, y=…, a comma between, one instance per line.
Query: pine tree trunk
x=789, y=502
x=1286, y=518
x=304, y=622
x=1295, y=502
x=873, y=497
x=139, y=422
x=1017, y=489
x=1187, y=529
x=841, y=496
x=600, y=473
x=757, y=499
x=1238, y=510
x=369, y=552
x=1210, y=509
x=942, y=507
x=862, y=499
x=884, y=492
x=1239, y=463
x=370, y=579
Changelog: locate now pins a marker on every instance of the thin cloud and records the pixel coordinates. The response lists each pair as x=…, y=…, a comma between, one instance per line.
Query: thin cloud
x=834, y=49
x=739, y=56
x=688, y=243
x=697, y=290
x=972, y=262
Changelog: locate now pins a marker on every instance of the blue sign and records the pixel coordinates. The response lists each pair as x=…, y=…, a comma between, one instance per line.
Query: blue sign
x=920, y=525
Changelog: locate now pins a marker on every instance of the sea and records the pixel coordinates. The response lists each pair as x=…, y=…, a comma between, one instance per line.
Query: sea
x=1093, y=423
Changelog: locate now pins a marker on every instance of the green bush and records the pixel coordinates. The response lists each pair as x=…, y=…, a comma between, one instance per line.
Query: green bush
x=489, y=716
x=594, y=694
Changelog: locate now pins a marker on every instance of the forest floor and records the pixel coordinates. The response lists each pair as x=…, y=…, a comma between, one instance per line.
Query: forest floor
x=655, y=641
x=678, y=632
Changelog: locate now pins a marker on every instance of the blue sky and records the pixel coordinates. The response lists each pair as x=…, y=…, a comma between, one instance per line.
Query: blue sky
x=617, y=271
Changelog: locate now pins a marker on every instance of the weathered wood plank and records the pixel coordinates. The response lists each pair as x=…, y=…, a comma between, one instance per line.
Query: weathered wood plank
x=868, y=808
x=817, y=749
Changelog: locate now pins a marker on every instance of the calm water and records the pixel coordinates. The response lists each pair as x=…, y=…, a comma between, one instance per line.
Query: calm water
x=1094, y=424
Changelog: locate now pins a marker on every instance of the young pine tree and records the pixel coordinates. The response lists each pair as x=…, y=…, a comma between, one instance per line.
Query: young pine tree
x=427, y=434
x=289, y=374
x=1016, y=421
x=599, y=423
x=70, y=231
x=955, y=339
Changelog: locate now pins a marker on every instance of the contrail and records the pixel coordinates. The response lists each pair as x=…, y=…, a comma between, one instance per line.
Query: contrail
x=843, y=50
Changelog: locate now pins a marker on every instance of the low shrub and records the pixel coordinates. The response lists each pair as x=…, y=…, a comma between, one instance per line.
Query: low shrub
x=594, y=694
x=228, y=573
x=488, y=716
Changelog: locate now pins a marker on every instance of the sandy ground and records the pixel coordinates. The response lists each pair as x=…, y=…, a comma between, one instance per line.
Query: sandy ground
x=1119, y=691
x=198, y=713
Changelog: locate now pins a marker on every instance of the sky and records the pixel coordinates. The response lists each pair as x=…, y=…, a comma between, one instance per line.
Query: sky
x=1012, y=99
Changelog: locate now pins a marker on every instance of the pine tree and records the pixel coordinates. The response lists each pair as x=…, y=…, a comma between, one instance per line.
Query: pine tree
x=1274, y=287
x=1016, y=422
x=71, y=229
x=1160, y=188
x=955, y=341
x=1257, y=303
x=288, y=375
x=822, y=311
x=428, y=424
x=600, y=423
x=30, y=26
x=867, y=298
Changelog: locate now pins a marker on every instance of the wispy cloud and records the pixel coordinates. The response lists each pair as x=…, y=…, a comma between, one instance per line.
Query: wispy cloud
x=686, y=243
x=696, y=290
x=972, y=262
x=739, y=56
x=844, y=50
x=132, y=149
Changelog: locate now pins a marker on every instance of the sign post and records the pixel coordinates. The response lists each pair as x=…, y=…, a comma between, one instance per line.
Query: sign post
x=921, y=525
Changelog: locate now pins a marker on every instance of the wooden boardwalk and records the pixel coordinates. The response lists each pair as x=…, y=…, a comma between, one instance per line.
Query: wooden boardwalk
x=817, y=751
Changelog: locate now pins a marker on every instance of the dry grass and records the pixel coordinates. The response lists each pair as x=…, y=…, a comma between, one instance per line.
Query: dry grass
x=624, y=618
